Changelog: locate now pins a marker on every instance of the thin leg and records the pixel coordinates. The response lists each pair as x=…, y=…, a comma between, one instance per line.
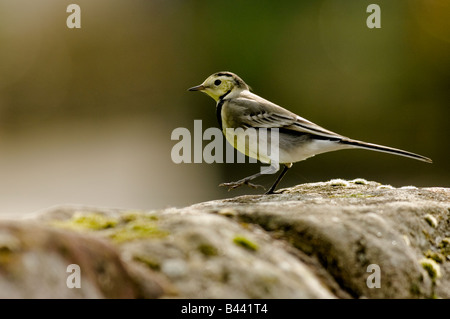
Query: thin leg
x=285, y=169
x=246, y=180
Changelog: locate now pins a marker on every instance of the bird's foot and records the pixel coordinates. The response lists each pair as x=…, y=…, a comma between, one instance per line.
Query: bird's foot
x=233, y=185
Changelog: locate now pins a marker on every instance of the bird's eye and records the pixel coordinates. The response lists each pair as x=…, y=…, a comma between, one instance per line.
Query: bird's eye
x=217, y=82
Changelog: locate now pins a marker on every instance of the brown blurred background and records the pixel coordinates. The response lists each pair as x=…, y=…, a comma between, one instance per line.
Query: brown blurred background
x=86, y=114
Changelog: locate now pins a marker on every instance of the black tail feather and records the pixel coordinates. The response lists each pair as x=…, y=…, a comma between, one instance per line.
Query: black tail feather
x=386, y=149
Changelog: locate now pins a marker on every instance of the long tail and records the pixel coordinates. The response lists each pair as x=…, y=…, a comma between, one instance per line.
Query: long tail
x=385, y=149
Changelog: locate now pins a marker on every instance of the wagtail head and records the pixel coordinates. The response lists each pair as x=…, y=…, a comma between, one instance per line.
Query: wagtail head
x=221, y=84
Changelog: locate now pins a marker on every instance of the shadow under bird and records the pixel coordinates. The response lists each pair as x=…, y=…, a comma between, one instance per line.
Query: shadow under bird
x=298, y=138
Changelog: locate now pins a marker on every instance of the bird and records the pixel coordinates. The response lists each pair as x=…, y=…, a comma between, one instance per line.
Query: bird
x=298, y=138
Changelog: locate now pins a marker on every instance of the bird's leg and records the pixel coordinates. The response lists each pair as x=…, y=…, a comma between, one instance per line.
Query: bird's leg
x=246, y=180
x=285, y=169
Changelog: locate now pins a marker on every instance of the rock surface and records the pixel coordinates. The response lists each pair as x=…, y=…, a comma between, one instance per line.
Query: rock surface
x=35, y=262
x=338, y=239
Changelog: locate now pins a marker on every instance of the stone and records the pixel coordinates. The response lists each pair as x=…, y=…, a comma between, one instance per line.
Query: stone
x=34, y=262
x=317, y=240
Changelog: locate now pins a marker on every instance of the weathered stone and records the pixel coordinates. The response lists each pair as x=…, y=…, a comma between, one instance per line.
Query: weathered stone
x=34, y=263
x=320, y=240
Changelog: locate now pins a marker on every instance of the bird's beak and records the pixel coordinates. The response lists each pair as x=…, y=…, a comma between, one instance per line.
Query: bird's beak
x=200, y=87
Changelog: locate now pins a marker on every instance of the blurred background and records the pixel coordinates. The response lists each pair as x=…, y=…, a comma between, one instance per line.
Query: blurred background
x=86, y=115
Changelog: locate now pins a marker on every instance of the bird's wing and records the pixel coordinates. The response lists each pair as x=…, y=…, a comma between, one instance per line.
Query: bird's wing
x=260, y=113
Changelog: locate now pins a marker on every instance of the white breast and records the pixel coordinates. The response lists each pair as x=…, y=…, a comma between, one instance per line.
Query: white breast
x=268, y=146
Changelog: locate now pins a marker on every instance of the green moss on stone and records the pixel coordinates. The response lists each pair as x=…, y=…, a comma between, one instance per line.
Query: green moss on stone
x=245, y=243
x=338, y=182
x=360, y=181
x=148, y=261
x=208, y=250
x=137, y=229
x=445, y=243
x=432, y=268
x=87, y=221
x=135, y=215
x=438, y=257
x=431, y=220
x=129, y=226
x=444, y=246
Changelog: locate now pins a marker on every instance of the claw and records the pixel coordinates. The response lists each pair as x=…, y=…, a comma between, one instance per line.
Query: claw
x=233, y=185
x=255, y=186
